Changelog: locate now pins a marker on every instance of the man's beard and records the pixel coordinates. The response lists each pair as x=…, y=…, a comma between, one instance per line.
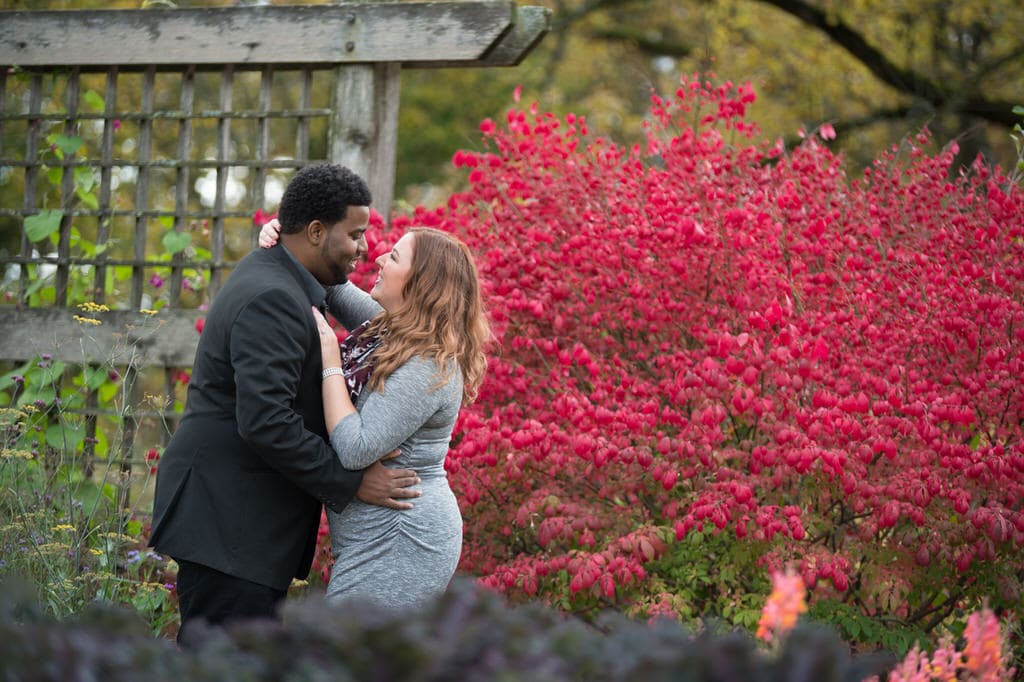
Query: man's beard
x=338, y=272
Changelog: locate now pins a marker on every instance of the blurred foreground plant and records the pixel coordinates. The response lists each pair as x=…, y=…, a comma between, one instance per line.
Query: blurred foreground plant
x=71, y=523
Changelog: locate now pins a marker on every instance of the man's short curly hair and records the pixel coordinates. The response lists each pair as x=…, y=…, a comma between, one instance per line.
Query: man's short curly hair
x=320, y=192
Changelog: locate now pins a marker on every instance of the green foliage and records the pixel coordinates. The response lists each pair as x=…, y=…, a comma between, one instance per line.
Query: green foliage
x=63, y=494
x=875, y=632
x=467, y=635
x=176, y=242
x=43, y=225
x=709, y=575
x=43, y=229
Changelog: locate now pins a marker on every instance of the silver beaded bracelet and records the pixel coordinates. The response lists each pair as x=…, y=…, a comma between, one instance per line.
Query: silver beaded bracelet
x=331, y=371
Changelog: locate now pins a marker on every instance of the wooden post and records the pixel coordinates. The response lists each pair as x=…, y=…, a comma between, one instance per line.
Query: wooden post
x=364, y=128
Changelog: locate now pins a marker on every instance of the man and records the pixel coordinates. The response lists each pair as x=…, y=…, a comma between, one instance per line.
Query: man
x=241, y=485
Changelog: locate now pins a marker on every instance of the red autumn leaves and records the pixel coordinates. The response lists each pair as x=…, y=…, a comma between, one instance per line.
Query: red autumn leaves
x=712, y=333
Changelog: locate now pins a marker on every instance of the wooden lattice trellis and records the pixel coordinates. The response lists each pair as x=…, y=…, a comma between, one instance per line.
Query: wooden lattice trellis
x=174, y=78
x=126, y=133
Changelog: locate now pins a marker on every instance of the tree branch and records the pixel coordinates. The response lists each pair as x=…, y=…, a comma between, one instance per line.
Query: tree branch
x=643, y=42
x=994, y=111
x=565, y=18
x=903, y=80
x=854, y=43
x=996, y=64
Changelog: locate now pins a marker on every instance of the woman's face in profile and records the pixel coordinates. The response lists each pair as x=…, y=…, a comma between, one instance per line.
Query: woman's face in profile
x=394, y=273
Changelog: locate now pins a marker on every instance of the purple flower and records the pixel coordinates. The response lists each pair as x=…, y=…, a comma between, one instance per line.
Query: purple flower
x=18, y=379
x=156, y=281
x=46, y=356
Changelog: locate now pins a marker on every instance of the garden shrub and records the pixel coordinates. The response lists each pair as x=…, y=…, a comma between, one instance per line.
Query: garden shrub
x=719, y=357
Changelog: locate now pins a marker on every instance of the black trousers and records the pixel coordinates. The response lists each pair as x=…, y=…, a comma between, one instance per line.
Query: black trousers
x=207, y=595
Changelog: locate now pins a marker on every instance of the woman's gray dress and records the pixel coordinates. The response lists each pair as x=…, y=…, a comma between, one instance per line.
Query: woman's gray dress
x=396, y=558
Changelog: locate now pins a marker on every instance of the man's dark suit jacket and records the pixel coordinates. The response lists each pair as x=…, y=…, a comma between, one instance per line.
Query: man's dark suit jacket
x=240, y=485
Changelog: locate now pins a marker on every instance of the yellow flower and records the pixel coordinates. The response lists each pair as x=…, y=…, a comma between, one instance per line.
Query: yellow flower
x=92, y=307
x=147, y=311
x=86, y=320
x=117, y=537
x=10, y=416
x=52, y=547
x=63, y=526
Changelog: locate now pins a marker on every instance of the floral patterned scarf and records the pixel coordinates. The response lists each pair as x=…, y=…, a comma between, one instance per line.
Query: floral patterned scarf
x=357, y=359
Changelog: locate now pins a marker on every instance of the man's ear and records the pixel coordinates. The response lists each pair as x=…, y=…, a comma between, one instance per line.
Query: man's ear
x=316, y=232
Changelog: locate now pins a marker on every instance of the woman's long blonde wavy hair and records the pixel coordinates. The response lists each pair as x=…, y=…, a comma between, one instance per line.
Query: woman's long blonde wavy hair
x=441, y=317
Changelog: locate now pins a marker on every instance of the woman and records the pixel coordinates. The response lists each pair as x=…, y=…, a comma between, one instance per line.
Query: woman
x=398, y=381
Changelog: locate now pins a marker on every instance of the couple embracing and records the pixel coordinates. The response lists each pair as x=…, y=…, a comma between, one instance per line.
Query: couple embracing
x=280, y=421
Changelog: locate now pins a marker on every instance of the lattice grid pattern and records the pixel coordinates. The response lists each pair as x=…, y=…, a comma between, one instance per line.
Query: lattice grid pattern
x=120, y=160
x=123, y=158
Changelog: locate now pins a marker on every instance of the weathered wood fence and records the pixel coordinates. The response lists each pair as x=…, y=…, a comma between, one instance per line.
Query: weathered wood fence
x=136, y=146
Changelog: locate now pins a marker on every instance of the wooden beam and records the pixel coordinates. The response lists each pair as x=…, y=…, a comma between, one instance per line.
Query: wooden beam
x=122, y=338
x=532, y=24
x=347, y=33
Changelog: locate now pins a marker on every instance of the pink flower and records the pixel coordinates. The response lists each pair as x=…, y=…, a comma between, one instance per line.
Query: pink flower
x=784, y=606
x=260, y=217
x=982, y=656
x=984, y=648
x=152, y=457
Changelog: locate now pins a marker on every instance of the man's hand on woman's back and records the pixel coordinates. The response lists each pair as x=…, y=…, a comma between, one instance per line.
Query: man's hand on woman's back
x=386, y=487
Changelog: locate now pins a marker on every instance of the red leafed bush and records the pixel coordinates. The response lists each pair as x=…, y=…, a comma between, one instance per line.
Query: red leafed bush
x=714, y=335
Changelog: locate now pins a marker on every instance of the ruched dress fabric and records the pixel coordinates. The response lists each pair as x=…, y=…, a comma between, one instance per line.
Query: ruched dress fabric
x=396, y=558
